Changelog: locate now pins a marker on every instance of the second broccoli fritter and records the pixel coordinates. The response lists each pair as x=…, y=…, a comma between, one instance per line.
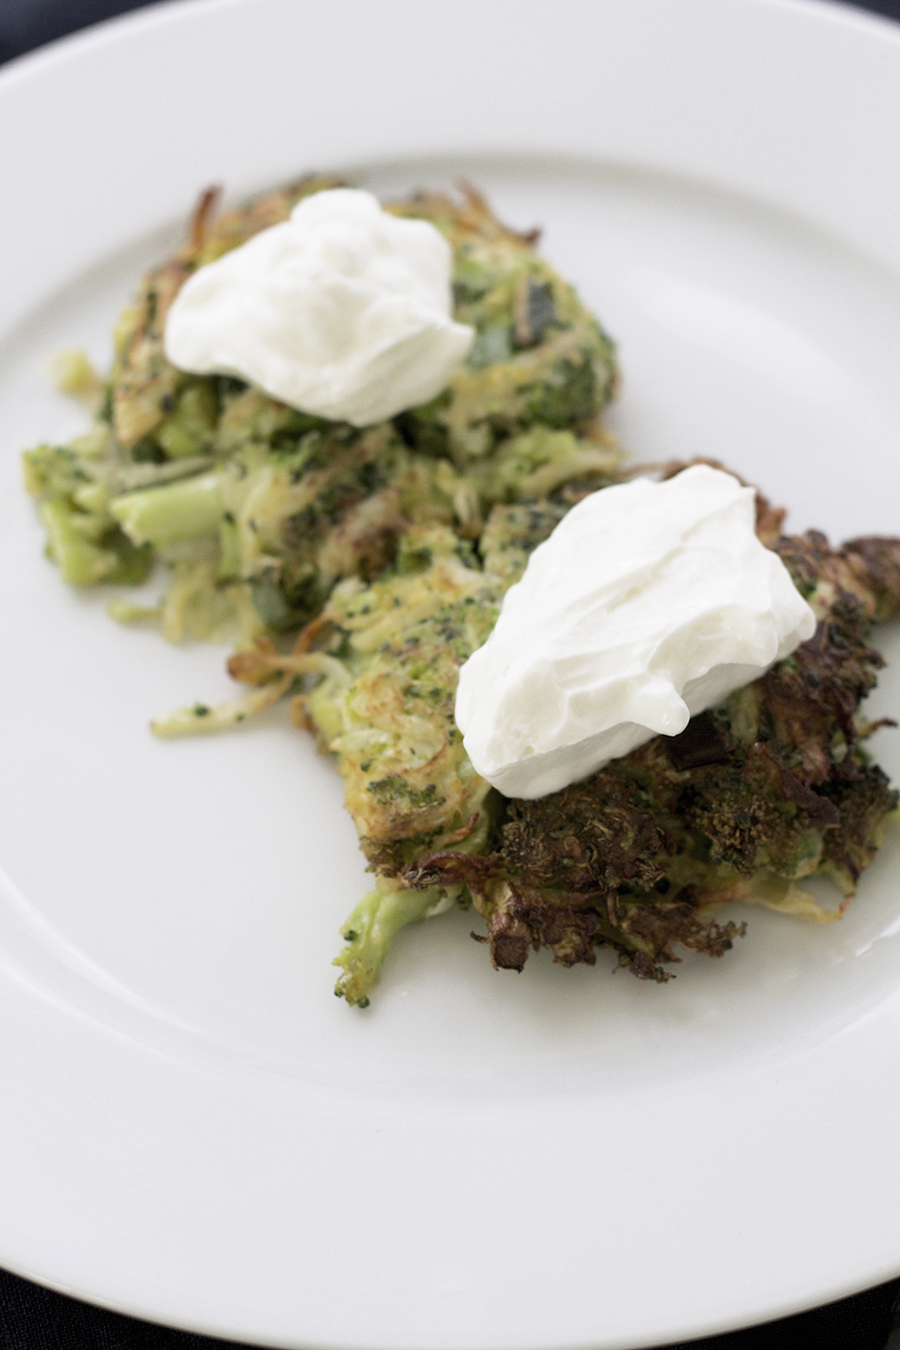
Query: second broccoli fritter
x=771, y=787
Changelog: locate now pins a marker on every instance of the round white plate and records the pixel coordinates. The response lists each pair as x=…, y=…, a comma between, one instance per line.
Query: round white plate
x=191, y=1127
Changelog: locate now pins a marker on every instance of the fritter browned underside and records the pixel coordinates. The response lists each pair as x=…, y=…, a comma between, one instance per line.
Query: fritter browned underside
x=773, y=784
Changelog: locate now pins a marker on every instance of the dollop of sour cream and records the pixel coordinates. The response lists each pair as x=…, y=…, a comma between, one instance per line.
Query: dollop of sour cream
x=343, y=311
x=649, y=603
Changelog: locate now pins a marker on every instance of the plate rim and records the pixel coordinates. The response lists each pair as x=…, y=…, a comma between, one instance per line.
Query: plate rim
x=122, y=31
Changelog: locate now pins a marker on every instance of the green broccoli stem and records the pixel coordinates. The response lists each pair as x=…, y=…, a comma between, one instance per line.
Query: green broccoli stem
x=369, y=932
x=187, y=509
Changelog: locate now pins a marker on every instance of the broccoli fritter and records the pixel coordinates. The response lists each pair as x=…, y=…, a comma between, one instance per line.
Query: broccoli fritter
x=771, y=787
x=258, y=509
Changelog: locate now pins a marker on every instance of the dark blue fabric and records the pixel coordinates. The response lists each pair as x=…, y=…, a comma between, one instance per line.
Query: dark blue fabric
x=25, y=24
x=889, y=7
x=32, y=1318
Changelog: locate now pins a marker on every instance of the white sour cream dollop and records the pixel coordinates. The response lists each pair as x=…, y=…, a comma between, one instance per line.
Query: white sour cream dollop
x=343, y=311
x=648, y=603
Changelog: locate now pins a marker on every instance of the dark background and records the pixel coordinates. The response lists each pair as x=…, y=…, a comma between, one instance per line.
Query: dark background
x=32, y=1318
x=25, y=24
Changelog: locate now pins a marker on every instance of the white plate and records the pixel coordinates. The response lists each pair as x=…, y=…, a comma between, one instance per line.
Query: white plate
x=192, y=1128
